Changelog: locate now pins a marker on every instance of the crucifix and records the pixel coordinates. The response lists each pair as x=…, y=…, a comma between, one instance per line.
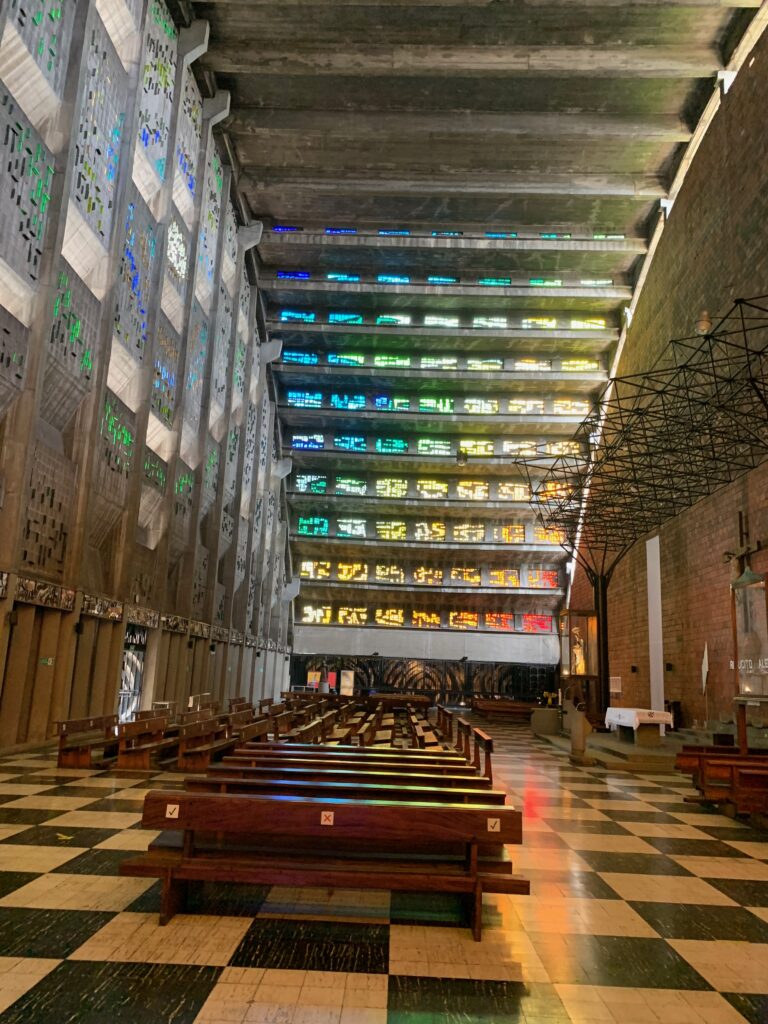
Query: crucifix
x=745, y=549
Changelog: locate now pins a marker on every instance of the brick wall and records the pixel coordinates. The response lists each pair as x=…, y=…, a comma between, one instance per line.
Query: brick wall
x=714, y=249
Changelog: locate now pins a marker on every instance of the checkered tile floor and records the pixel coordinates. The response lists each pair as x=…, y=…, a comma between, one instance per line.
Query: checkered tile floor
x=644, y=910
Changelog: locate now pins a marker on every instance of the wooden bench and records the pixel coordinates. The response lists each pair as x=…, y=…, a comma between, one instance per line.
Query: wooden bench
x=80, y=738
x=200, y=742
x=518, y=710
x=445, y=723
x=691, y=760
x=301, y=769
x=253, y=732
x=736, y=780
x=332, y=844
x=140, y=742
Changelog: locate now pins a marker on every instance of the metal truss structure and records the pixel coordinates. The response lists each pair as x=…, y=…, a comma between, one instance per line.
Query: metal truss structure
x=659, y=441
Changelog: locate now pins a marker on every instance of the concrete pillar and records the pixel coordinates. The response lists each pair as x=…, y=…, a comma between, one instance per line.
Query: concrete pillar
x=151, y=668
x=64, y=669
x=43, y=664
x=16, y=672
x=81, y=682
x=101, y=665
x=114, y=668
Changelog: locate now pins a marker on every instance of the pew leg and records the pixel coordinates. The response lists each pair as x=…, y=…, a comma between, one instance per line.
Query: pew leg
x=477, y=912
x=173, y=899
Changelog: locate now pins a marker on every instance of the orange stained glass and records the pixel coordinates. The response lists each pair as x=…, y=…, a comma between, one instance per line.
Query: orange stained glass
x=500, y=620
x=504, y=578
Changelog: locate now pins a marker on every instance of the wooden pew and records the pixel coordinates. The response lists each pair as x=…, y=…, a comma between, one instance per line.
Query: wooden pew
x=80, y=738
x=253, y=732
x=484, y=743
x=464, y=738
x=300, y=769
x=140, y=742
x=283, y=842
x=445, y=723
x=517, y=710
x=691, y=760
x=740, y=781
x=200, y=742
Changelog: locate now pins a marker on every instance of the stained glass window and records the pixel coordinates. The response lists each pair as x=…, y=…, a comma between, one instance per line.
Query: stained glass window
x=558, y=448
x=439, y=362
x=429, y=531
x=469, y=533
x=293, y=275
x=349, y=443
x=509, y=533
x=352, y=403
x=352, y=616
x=526, y=406
x=312, y=615
x=345, y=318
x=536, y=623
x=500, y=620
x=544, y=536
x=350, y=528
x=427, y=575
x=463, y=620
x=462, y=574
x=352, y=572
x=305, y=399
x=394, y=361
x=392, y=279
x=532, y=365
x=343, y=278
x=351, y=485
x=441, y=321
x=390, y=574
x=426, y=620
x=539, y=576
x=481, y=406
x=390, y=530
x=473, y=446
x=308, y=442
x=436, y=405
x=504, y=578
x=312, y=526
x=432, y=489
x=514, y=492
x=385, y=403
x=472, y=490
x=484, y=365
x=301, y=358
x=594, y=323
x=391, y=445
x=524, y=449
x=498, y=323
x=570, y=407
x=393, y=320
x=545, y=282
x=311, y=483
x=539, y=323
x=441, y=279
x=389, y=617
x=346, y=359
x=315, y=570
x=433, y=446
x=391, y=487
x=495, y=282
x=579, y=365
x=288, y=316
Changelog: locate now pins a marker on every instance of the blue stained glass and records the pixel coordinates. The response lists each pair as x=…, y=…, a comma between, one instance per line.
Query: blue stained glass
x=382, y=402
x=393, y=279
x=308, y=442
x=343, y=278
x=349, y=360
x=302, y=358
x=289, y=315
x=391, y=445
x=501, y=234
x=447, y=234
x=345, y=318
x=351, y=402
x=437, y=279
x=293, y=275
x=495, y=282
x=349, y=443
x=393, y=320
x=545, y=282
x=282, y=229
x=394, y=232
x=554, y=234
x=341, y=231
x=305, y=399
x=313, y=526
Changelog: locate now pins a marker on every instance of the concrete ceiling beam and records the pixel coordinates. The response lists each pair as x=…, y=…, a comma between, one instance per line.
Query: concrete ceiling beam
x=377, y=5
x=478, y=61
x=538, y=124
x=467, y=243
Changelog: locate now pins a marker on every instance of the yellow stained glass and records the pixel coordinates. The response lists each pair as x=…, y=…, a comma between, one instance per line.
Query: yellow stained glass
x=475, y=446
x=526, y=406
x=352, y=616
x=473, y=490
x=315, y=570
x=390, y=574
x=509, y=533
x=316, y=615
x=544, y=536
x=425, y=620
x=481, y=406
x=514, y=492
x=504, y=578
x=463, y=620
x=391, y=487
x=389, y=617
x=461, y=574
x=469, y=533
x=348, y=572
x=390, y=530
x=427, y=575
x=432, y=488
x=430, y=531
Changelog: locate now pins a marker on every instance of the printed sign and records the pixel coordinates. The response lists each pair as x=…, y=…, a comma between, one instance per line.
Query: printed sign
x=494, y=824
x=326, y=817
x=171, y=810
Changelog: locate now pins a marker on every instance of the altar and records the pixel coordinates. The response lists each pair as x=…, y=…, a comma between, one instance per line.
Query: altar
x=638, y=725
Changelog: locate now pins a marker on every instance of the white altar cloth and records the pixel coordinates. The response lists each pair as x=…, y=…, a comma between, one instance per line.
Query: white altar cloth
x=633, y=718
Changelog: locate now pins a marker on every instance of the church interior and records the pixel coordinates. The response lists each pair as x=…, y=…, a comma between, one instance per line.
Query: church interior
x=384, y=512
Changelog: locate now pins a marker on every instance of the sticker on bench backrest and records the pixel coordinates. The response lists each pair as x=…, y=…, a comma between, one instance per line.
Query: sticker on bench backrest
x=494, y=824
x=171, y=810
x=326, y=817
